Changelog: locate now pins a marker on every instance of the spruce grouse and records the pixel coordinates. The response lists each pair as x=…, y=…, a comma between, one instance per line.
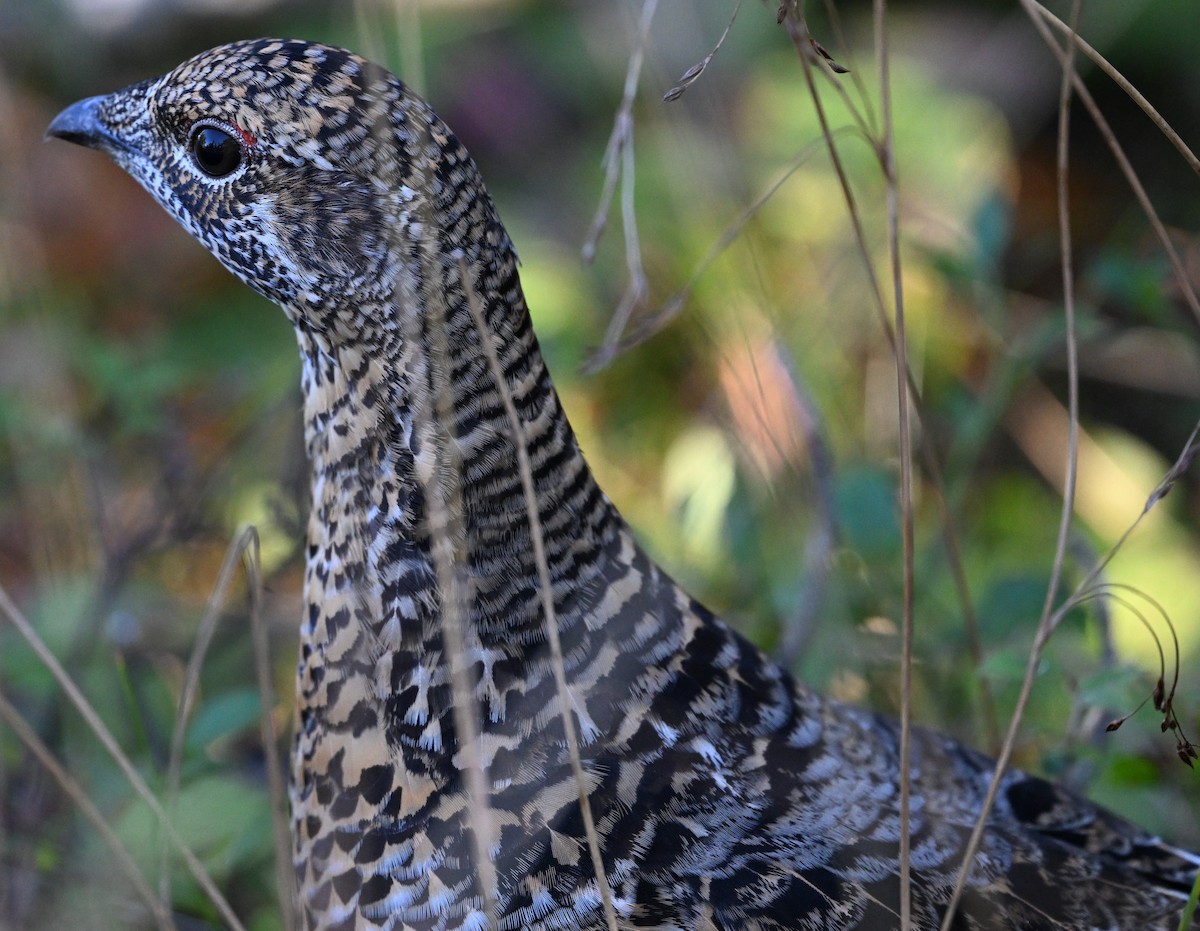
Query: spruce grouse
x=724, y=794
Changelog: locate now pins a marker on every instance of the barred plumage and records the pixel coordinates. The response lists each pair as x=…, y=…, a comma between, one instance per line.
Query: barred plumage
x=726, y=796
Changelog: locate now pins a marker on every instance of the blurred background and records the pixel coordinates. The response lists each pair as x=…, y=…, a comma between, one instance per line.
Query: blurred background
x=149, y=404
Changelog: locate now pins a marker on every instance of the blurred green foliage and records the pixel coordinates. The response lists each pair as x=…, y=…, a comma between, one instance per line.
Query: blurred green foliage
x=148, y=403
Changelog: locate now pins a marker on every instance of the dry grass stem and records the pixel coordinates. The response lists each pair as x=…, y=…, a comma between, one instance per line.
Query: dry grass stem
x=546, y=589
x=651, y=324
x=692, y=75
x=374, y=19
x=445, y=505
x=798, y=33
x=867, y=118
x=1182, y=279
x=928, y=454
x=77, y=794
x=626, y=329
x=412, y=57
x=900, y=348
x=104, y=735
x=1085, y=558
x=432, y=410
x=1190, y=449
x=1182, y=463
x=1161, y=490
x=1045, y=622
x=1162, y=695
x=1038, y=11
x=674, y=305
x=1108, y=592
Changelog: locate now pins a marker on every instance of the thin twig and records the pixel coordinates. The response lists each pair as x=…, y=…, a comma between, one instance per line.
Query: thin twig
x=1163, y=697
x=962, y=590
x=1045, y=623
x=370, y=33
x=865, y=119
x=1119, y=79
x=1085, y=557
x=77, y=794
x=445, y=504
x=864, y=116
x=651, y=324
x=798, y=33
x=617, y=342
x=1190, y=449
x=524, y=465
x=412, y=58
x=887, y=152
x=1182, y=278
x=1107, y=591
x=692, y=75
x=104, y=735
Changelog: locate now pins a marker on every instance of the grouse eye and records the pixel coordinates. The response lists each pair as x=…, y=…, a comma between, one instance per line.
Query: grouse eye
x=216, y=152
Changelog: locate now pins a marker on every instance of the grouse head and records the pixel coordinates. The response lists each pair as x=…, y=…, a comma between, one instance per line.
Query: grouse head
x=313, y=175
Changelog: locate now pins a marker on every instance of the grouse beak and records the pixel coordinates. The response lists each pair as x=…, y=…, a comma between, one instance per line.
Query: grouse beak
x=80, y=123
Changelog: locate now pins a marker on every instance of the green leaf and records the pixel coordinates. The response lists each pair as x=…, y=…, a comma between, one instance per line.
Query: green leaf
x=1007, y=665
x=214, y=815
x=226, y=714
x=1114, y=688
x=865, y=502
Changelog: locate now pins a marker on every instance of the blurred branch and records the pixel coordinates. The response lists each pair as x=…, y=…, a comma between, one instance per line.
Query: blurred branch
x=616, y=341
x=619, y=161
x=818, y=546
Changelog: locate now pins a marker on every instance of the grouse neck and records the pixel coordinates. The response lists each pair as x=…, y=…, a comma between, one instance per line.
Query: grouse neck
x=410, y=444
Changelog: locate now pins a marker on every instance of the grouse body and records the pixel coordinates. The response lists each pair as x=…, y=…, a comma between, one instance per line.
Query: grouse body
x=724, y=794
